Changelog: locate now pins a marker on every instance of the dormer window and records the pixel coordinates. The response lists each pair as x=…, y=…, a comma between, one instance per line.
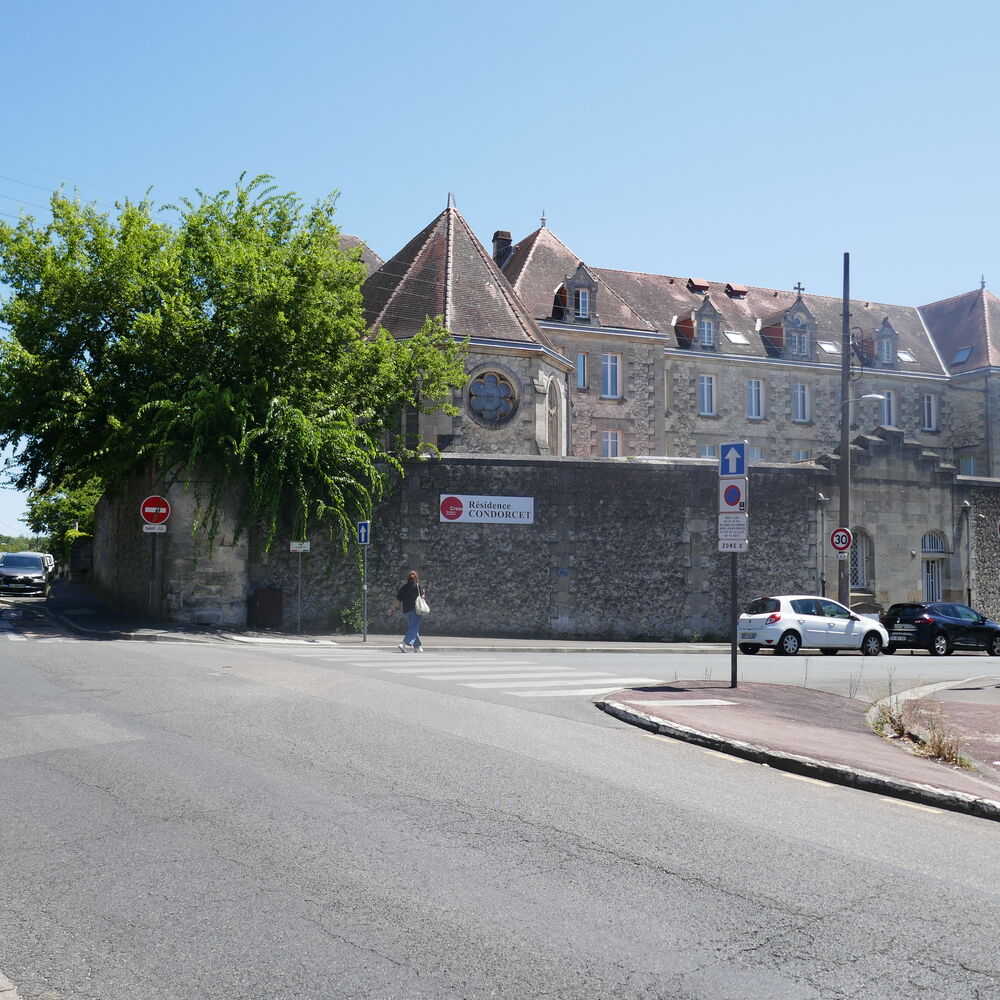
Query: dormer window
x=706, y=333
x=886, y=351
x=581, y=303
x=798, y=343
x=736, y=291
x=697, y=285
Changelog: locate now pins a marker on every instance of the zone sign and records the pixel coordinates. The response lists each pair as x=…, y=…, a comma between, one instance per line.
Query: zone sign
x=841, y=539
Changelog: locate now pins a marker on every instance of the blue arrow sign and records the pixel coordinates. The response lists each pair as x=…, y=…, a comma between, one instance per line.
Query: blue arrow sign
x=733, y=460
x=364, y=532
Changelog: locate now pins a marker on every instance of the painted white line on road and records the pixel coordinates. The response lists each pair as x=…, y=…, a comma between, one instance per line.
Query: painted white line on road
x=529, y=680
x=685, y=702
x=725, y=756
x=564, y=673
x=802, y=777
x=8, y=991
x=14, y=637
x=910, y=805
x=443, y=668
x=578, y=692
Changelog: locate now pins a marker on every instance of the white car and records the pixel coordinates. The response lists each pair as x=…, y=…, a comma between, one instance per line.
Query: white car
x=786, y=624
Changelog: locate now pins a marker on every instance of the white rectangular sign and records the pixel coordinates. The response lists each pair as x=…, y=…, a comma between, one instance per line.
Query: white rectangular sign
x=298, y=546
x=734, y=527
x=735, y=546
x=154, y=529
x=460, y=507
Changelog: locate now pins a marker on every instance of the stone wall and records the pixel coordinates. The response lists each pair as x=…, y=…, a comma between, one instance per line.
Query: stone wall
x=620, y=548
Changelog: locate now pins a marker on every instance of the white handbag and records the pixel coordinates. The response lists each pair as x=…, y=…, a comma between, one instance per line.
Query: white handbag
x=421, y=606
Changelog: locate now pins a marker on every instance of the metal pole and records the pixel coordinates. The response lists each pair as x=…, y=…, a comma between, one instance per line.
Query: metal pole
x=298, y=626
x=152, y=569
x=733, y=616
x=364, y=599
x=844, y=565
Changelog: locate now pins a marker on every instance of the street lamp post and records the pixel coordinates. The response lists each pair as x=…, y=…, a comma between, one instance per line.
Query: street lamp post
x=844, y=565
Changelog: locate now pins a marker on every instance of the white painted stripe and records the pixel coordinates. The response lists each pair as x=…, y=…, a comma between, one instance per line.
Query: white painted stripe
x=14, y=637
x=802, y=777
x=530, y=681
x=910, y=805
x=8, y=991
x=726, y=756
x=685, y=702
x=578, y=692
x=509, y=675
x=447, y=670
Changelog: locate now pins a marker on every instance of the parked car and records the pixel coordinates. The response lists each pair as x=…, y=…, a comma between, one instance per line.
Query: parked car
x=940, y=627
x=25, y=573
x=788, y=623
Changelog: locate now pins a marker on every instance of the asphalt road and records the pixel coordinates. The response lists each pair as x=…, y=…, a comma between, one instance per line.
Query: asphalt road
x=223, y=822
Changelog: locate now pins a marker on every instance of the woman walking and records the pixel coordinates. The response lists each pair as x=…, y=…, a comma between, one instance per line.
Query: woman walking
x=406, y=599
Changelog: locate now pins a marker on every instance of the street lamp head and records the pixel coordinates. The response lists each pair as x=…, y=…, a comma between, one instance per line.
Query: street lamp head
x=872, y=395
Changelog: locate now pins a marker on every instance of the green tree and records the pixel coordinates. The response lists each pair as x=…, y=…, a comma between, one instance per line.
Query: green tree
x=64, y=514
x=231, y=340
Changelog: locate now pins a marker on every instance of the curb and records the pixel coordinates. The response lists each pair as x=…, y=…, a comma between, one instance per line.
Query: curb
x=839, y=774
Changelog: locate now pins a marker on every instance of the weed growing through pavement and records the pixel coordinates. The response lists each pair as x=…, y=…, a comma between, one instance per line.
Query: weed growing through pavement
x=918, y=724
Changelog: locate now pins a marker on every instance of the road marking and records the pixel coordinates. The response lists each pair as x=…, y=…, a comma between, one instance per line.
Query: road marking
x=910, y=805
x=587, y=677
x=802, y=777
x=448, y=670
x=579, y=692
x=725, y=756
x=664, y=739
x=8, y=991
x=14, y=637
x=686, y=703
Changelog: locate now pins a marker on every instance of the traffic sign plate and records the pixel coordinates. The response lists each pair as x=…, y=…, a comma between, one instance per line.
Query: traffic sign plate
x=733, y=459
x=733, y=495
x=841, y=539
x=739, y=545
x=364, y=532
x=154, y=510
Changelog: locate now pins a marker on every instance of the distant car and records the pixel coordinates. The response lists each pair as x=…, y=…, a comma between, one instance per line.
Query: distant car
x=788, y=623
x=940, y=627
x=25, y=573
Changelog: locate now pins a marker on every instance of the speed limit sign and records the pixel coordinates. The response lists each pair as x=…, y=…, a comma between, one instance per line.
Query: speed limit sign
x=841, y=539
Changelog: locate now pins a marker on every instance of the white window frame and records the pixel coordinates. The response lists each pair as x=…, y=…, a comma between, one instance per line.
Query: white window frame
x=801, y=455
x=581, y=303
x=886, y=350
x=929, y=408
x=611, y=370
x=967, y=465
x=611, y=444
x=755, y=453
x=706, y=333
x=708, y=451
x=798, y=343
x=582, y=365
x=888, y=408
x=755, y=399
x=800, y=403
x=706, y=395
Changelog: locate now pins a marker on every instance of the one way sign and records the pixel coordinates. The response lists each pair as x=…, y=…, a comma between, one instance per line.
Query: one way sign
x=733, y=460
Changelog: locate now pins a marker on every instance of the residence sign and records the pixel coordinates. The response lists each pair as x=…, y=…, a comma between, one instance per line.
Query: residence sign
x=458, y=508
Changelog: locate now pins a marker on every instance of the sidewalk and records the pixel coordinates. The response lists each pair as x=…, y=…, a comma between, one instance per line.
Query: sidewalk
x=793, y=728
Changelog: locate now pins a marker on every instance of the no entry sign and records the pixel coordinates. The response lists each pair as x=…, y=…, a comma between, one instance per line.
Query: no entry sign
x=154, y=510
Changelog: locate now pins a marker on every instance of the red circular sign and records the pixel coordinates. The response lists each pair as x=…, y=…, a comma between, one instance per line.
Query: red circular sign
x=452, y=508
x=154, y=510
x=841, y=539
x=733, y=495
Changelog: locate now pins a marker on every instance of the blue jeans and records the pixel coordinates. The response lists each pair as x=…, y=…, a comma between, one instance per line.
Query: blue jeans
x=412, y=637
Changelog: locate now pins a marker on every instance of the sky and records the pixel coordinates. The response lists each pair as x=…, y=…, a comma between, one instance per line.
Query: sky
x=754, y=142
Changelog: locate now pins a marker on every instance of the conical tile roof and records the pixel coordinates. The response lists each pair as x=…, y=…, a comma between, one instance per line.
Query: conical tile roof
x=445, y=271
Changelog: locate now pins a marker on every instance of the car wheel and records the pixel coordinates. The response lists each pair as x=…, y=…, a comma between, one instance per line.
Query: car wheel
x=789, y=644
x=994, y=646
x=749, y=648
x=828, y=651
x=890, y=650
x=939, y=645
x=871, y=645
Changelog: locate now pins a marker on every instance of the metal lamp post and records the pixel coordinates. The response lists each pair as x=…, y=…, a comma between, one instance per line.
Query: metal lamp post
x=844, y=568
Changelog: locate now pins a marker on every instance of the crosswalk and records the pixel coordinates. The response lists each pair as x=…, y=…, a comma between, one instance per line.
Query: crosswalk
x=518, y=678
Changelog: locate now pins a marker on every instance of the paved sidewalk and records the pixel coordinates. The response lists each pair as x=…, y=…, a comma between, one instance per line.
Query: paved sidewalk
x=794, y=728
x=817, y=734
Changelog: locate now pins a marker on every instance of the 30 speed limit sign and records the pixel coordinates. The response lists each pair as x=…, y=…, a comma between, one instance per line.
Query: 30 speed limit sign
x=842, y=539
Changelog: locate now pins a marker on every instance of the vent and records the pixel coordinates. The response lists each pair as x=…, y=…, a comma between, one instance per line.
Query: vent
x=737, y=291
x=697, y=285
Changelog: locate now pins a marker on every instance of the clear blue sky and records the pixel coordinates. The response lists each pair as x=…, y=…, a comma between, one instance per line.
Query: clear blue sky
x=747, y=141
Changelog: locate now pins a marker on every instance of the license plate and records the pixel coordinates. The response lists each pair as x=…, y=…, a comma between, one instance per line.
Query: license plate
x=748, y=635
x=899, y=635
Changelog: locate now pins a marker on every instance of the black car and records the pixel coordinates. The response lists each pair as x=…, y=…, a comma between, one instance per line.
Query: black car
x=939, y=627
x=24, y=573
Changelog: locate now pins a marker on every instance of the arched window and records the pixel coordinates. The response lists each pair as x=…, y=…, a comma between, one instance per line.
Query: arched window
x=933, y=548
x=862, y=560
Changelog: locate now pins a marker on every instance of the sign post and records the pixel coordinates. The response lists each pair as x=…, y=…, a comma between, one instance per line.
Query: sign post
x=299, y=547
x=154, y=511
x=364, y=540
x=733, y=526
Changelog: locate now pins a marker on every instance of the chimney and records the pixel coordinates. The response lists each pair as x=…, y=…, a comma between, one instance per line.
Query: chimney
x=501, y=247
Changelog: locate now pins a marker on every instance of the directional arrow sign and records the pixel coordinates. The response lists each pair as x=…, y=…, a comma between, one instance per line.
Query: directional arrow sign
x=733, y=460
